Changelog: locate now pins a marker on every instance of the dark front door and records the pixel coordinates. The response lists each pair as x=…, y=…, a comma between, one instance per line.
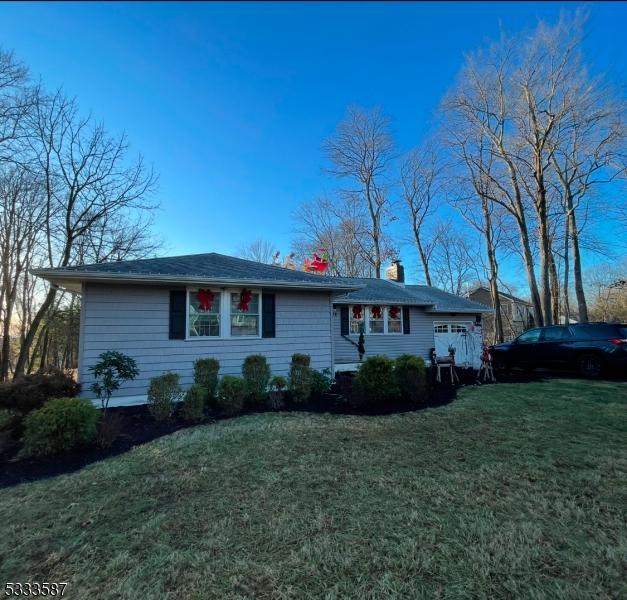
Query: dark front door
x=554, y=347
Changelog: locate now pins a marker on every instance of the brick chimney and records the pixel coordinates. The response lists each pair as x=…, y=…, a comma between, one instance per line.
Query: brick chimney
x=395, y=272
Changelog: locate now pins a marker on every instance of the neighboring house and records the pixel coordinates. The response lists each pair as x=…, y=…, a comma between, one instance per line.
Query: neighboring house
x=516, y=313
x=167, y=312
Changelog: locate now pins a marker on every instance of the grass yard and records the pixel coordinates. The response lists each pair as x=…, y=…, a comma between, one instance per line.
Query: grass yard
x=514, y=490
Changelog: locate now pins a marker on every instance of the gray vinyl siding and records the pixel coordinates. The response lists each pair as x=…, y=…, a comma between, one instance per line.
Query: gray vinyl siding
x=418, y=341
x=135, y=320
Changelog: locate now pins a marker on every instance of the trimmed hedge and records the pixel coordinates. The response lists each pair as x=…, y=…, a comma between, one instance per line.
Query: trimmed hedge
x=376, y=381
x=231, y=395
x=411, y=377
x=194, y=403
x=164, y=392
x=61, y=425
x=300, y=377
x=256, y=374
x=206, y=374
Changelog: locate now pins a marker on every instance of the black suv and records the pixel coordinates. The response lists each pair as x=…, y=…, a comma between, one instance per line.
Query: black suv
x=590, y=348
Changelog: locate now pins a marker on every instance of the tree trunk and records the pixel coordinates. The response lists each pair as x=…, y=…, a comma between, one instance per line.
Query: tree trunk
x=22, y=359
x=577, y=276
x=545, y=261
x=531, y=276
x=423, y=259
x=566, y=300
x=555, y=290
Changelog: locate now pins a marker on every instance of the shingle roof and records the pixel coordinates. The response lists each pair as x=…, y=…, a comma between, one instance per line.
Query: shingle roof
x=214, y=267
x=382, y=291
x=504, y=294
x=446, y=302
x=208, y=267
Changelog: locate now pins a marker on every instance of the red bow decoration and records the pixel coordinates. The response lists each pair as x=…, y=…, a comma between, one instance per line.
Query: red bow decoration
x=205, y=299
x=357, y=311
x=376, y=312
x=394, y=311
x=244, y=300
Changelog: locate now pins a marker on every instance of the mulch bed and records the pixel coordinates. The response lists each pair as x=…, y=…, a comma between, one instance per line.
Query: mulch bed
x=138, y=426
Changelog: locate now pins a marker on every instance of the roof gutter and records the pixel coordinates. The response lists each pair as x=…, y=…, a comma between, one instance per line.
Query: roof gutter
x=56, y=276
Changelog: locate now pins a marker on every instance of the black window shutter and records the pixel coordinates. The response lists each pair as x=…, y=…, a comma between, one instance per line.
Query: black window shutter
x=406, y=329
x=268, y=315
x=344, y=320
x=178, y=298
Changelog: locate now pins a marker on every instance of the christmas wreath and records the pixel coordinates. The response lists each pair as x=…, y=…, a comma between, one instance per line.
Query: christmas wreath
x=244, y=300
x=357, y=311
x=375, y=311
x=394, y=312
x=205, y=299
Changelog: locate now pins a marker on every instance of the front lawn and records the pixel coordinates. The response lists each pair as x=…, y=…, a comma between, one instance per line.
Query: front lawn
x=514, y=490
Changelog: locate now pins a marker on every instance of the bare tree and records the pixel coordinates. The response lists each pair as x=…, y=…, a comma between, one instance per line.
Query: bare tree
x=259, y=250
x=362, y=151
x=454, y=259
x=340, y=226
x=87, y=180
x=422, y=182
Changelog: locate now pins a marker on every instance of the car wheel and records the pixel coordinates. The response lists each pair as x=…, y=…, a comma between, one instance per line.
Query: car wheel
x=590, y=365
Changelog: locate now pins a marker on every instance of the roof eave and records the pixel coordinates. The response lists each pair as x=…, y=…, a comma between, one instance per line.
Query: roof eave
x=57, y=277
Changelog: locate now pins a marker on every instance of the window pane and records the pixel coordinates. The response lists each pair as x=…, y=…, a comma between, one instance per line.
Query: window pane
x=204, y=322
x=244, y=324
x=394, y=326
x=375, y=326
x=440, y=328
x=456, y=328
x=529, y=336
x=253, y=305
x=356, y=325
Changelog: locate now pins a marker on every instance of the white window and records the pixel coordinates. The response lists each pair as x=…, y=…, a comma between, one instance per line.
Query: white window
x=244, y=322
x=375, y=319
x=457, y=328
x=440, y=328
x=357, y=318
x=204, y=313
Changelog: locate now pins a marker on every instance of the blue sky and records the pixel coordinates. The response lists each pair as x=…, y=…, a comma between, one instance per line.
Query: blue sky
x=231, y=102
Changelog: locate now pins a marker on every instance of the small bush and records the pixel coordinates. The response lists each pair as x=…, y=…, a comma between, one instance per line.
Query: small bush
x=164, y=392
x=231, y=394
x=256, y=374
x=206, y=374
x=321, y=382
x=111, y=370
x=9, y=422
x=278, y=383
x=61, y=425
x=411, y=377
x=375, y=380
x=300, y=377
x=194, y=403
x=33, y=391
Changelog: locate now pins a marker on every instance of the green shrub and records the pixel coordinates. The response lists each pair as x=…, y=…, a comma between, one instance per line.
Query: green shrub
x=321, y=382
x=300, y=377
x=61, y=425
x=164, y=392
x=110, y=372
x=375, y=380
x=411, y=377
x=231, y=394
x=32, y=391
x=278, y=383
x=256, y=374
x=194, y=403
x=206, y=374
x=277, y=386
x=9, y=421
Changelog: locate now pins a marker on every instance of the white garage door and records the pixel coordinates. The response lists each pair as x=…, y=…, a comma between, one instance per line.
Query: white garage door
x=464, y=336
